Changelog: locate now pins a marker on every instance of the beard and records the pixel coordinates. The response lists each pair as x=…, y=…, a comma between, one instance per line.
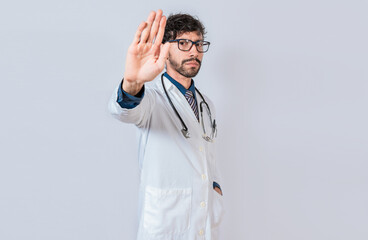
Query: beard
x=186, y=71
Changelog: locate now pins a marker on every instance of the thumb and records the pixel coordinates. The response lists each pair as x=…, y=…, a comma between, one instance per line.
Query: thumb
x=164, y=53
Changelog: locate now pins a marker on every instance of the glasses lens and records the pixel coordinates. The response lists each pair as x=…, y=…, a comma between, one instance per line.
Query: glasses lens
x=202, y=46
x=184, y=44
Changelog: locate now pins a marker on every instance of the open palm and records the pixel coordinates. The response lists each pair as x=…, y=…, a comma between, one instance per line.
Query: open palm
x=146, y=55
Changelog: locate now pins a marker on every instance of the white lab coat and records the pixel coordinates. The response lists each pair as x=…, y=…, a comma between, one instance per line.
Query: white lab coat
x=177, y=200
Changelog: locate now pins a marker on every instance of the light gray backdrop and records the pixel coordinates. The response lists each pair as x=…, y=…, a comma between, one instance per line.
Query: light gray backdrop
x=289, y=79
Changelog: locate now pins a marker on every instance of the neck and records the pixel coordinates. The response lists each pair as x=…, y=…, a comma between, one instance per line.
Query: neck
x=180, y=78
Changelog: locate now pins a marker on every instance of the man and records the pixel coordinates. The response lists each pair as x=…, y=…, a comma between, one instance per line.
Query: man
x=180, y=195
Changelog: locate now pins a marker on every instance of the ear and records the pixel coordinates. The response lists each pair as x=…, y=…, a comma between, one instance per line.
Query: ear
x=168, y=56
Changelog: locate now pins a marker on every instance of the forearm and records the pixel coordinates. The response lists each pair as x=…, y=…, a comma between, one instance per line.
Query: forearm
x=126, y=100
x=132, y=87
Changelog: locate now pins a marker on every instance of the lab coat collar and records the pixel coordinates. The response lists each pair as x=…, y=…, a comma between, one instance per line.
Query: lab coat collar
x=181, y=88
x=180, y=102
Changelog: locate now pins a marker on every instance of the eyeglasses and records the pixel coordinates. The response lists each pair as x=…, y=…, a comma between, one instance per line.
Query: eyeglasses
x=186, y=45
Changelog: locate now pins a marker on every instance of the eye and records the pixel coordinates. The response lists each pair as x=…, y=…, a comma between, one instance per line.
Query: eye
x=184, y=42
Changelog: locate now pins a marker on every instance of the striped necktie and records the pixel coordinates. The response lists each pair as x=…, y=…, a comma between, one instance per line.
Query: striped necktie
x=192, y=102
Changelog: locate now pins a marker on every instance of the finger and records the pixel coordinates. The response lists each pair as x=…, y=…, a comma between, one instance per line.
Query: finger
x=147, y=29
x=164, y=53
x=161, y=32
x=155, y=26
x=138, y=33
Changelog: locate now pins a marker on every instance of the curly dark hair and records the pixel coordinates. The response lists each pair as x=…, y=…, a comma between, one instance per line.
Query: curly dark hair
x=180, y=23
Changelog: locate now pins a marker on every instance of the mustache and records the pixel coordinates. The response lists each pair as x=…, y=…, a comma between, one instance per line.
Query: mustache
x=191, y=59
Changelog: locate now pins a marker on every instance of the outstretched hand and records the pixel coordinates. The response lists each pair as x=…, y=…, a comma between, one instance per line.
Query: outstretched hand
x=146, y=55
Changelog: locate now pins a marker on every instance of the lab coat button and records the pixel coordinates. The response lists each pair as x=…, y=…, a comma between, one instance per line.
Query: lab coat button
x=201, y=232
x=203, y=204
x=201, y=149
x=203, y=177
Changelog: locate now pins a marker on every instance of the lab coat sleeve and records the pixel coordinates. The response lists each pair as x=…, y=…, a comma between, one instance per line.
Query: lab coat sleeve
x=139, y=115
x=125, y=100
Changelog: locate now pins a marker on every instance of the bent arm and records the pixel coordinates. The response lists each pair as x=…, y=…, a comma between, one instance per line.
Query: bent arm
x=145, y=59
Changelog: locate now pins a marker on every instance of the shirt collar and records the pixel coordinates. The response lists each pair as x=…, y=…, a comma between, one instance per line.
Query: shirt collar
x=181, y=88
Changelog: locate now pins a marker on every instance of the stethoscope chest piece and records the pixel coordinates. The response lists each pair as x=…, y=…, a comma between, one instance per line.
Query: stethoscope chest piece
x=185, y=133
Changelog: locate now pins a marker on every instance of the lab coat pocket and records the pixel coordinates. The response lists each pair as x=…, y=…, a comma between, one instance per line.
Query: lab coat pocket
x=167, y=211
x=218, y=209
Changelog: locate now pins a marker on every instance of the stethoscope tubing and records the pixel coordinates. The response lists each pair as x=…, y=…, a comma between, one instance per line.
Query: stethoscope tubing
x=185, y=128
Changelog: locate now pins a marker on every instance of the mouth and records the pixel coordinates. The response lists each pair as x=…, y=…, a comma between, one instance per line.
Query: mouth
x=192, y=62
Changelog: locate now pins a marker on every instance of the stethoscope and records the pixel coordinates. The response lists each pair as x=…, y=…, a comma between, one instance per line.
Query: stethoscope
x=184, y=130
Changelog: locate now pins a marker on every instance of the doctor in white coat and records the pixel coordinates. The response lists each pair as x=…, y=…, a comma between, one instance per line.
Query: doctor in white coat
x=180, y=193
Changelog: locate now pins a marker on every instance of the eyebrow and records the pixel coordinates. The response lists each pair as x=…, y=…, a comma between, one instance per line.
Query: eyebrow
x=190, y=40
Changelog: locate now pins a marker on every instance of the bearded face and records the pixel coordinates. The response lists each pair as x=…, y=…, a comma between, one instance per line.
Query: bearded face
x=188, y=67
